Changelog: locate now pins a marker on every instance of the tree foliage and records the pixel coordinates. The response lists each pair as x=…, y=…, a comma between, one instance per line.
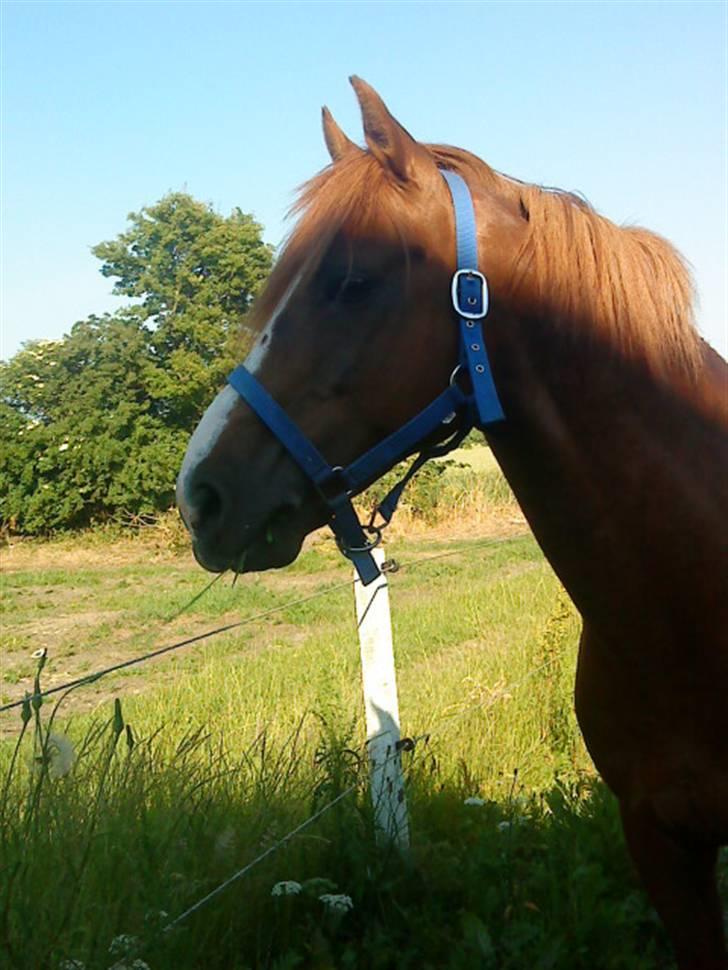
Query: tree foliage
x=96, y=423
x=195, y=276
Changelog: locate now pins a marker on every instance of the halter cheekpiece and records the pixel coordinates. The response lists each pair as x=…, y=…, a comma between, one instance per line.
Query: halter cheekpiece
x=477, y=408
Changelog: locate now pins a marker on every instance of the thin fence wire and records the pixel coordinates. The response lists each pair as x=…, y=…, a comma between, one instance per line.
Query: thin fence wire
x=260, y=858
x=133, y=661
x=92, y=678
x=406, y=744
x=143, y=946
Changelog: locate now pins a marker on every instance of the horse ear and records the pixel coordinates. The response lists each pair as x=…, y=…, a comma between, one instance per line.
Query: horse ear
x=336, y=141
x=390, y=143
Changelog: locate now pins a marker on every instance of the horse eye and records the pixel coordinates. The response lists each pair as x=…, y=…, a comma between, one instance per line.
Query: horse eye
x=349, y=289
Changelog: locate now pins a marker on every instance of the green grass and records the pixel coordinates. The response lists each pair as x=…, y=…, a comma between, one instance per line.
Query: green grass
x=216, y=752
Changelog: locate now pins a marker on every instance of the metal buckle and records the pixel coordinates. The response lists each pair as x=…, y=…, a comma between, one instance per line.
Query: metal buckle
x=376, y=537
x=477, y=302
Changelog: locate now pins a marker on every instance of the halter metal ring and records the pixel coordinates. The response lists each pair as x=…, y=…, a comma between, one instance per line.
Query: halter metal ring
x=376, y=537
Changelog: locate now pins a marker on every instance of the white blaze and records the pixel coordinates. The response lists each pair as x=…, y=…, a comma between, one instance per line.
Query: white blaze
x=215, y=419
x=254, y=360
x=204, y=439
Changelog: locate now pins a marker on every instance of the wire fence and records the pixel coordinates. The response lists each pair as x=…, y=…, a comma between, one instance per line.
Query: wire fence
x=391, y=566
x=408, y=744
x=152, y=654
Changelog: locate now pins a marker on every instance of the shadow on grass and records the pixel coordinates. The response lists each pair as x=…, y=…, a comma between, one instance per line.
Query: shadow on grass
x=102, y=850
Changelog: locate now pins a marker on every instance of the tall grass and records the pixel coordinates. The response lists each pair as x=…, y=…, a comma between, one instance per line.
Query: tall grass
x=113, y=823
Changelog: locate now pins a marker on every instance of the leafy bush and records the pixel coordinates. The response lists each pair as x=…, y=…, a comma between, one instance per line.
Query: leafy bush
x=95, y=425
x=424, y=493
x=443, y=488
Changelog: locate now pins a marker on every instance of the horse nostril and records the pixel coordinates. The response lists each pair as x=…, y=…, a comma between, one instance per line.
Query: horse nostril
x=207, y=508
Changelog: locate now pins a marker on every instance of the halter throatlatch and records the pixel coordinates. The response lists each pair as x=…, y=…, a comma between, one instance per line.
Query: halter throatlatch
x=463, y=410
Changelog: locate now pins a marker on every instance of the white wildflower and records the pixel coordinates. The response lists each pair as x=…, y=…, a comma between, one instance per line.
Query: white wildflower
x=61, y=755
x=156, y=916
x=123, y=944
x=337, y=902
x=512, y=823
x=226, y=842
x=474, y=800
x=289, y=887
x=64, y=446
x=39, y=654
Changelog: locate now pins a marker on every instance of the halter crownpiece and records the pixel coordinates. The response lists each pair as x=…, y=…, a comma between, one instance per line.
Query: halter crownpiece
x=470, y=300
x=480, y=408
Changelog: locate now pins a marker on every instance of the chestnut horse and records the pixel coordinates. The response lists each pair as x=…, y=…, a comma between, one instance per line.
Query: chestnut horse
x=615, y=442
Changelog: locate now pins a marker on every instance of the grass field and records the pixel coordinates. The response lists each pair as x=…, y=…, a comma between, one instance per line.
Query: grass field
x=146, y=789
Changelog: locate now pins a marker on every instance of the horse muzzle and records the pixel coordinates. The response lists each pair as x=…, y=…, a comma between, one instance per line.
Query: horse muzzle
x=253, y=532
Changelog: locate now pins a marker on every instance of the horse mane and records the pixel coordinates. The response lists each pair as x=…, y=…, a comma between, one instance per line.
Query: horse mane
x=579, y=269
x=576, y=268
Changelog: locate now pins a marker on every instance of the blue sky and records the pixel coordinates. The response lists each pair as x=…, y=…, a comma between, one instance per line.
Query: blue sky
x=107, y=106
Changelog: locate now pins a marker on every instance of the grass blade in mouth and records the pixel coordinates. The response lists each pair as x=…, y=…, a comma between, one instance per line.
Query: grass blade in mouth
x=194, y=599
x=239, y=568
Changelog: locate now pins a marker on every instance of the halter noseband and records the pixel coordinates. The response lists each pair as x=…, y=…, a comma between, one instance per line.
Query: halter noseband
x=479, y=408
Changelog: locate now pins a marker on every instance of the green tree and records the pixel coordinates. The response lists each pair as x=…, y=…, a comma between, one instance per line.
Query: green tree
x=195, y=275
x=96, y=423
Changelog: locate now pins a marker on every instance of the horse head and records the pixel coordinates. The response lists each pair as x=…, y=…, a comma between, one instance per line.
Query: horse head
x=357, y=333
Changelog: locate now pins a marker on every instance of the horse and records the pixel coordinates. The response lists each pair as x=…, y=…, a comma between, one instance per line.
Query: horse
x=615, y=443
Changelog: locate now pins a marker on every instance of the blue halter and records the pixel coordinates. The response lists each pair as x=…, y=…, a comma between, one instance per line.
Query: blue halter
x=478, y=408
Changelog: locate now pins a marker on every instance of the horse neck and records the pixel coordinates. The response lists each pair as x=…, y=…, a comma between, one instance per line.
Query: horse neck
x=608, y=462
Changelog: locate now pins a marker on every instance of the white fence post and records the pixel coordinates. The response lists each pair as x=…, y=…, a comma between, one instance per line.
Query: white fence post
x=382, y=709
